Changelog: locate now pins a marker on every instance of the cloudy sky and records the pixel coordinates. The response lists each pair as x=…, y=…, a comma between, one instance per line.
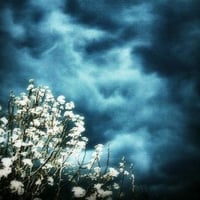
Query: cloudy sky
x=132, y=67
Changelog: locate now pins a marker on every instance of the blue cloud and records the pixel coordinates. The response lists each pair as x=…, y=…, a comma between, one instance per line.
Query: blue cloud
x=132, y=70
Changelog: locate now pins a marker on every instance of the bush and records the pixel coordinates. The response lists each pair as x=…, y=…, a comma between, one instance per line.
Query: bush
x=44, y=156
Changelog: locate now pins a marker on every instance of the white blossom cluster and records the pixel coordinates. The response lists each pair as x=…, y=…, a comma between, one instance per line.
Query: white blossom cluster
x=41, y=144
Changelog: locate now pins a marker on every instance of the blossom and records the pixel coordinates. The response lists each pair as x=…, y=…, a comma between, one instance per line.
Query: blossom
x=30, y=87
x=46, y=133
x=7, y=162
x=98, y=151
x=49, y=96
x=97, y=170
x=99, y=147
x=61, y=99
x=50, y=180
x=78, y=192
x=116, y=186
x=70, y=105
x=31, y=81
x=69, y=114
x=17, y=186
x=98, y=186
x=23, y=101
x=4, y=120
x=126, y=172
x=81, y=145
x=102, y=193
x=5, y=172
x=38, y=182
x=121, y=164
x=28, y=162
x=36, y=122
x=18, y=143
x=113, y=172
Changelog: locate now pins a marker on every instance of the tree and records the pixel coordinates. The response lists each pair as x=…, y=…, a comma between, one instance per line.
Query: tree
x=43, y=151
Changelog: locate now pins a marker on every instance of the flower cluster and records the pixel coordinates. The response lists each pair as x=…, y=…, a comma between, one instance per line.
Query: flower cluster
x=41, y=146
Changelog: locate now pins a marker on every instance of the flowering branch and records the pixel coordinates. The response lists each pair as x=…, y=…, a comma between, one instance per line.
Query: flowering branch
x=41, y=146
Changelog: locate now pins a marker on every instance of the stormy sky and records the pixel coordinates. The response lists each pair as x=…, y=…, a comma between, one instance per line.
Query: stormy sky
x=132, y=67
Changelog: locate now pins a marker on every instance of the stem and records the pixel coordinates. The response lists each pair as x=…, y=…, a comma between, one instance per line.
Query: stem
x=10, y=122
x=108, y=160
x=59, y=184
x=122, y=180
x=36, y=171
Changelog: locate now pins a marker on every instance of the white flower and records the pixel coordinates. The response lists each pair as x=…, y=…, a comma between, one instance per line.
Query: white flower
x=7, y=162
x=30, y=86
x=126, y=173
x=80, y=145
x=132, y=176
x=36, y=122
x=99, y=147
x=97, y=170
x=5, y=172
x=102, y=193
x=78, y=192
x=49, y=96
x=4, y=120
x=24, y=101
x=61, y=99
x=98, y=186
x=38, y=182
x=41, y=92
x=38, y=109
x=113, y=172
x=121, y=164
x=98, y=151
x=18, y=143
x=31, y=81
x=70, y=105
x=28, y=162
x=17, y=186
x=54, y=109
x=50, y=180
x=69, y=114
x=116, y=186
x=121, y=169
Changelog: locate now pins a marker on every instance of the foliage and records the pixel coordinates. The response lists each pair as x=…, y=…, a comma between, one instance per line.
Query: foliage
x=42, y=152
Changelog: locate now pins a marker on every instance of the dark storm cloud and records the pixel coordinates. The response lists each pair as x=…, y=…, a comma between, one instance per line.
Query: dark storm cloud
x=120, y=19
x=174, y=54
x=175, y=40
x=92, y=13
x=101, y=45
x=130, y=66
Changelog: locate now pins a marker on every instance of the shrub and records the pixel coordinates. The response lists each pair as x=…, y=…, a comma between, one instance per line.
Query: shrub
x=44, y=156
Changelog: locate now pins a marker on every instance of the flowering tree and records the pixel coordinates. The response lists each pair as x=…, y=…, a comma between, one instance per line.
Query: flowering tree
x=42, y=150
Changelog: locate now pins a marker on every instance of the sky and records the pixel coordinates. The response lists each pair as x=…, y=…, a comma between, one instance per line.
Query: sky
x=132, y=68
